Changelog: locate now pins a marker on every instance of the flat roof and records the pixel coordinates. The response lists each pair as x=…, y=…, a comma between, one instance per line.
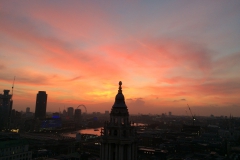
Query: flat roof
x=12, y=143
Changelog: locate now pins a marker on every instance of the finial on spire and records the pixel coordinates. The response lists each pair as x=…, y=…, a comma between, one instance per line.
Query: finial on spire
x=120, y=87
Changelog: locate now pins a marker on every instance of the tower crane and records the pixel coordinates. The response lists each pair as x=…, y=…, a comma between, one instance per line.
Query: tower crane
x=193, y=118
x=186, y=112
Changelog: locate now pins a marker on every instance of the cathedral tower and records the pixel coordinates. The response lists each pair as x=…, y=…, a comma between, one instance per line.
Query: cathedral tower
x=118, y=137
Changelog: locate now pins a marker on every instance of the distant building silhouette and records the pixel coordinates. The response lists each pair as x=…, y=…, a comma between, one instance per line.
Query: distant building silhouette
x=27, y=110
x=55, y=115
x=106, y=112
x=5, y=109
x=70, y=112
x=65, y=113
x=118, y=138
x=77, y=116
x=41, y=105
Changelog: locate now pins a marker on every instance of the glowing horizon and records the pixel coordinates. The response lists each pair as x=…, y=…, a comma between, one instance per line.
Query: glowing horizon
x=167, y=54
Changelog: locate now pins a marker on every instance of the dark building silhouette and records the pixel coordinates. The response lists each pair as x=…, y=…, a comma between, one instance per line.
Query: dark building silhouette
x=27, y=110
x=119, y=138
x=70, y=112
x=78, y=113
x=5, y=109
x=41, y=105
x=77, y=116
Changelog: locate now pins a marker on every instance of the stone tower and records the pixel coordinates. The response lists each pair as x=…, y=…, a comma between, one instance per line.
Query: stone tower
x=118, y=137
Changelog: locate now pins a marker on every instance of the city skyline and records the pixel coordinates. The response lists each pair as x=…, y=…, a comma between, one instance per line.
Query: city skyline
x=168, y=55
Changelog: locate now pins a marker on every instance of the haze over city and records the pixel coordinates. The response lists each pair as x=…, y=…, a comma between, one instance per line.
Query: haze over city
x=167, y=54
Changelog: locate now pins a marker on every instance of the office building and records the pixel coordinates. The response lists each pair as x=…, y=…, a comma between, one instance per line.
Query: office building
x=14, y=149
x=5, y=109
x=41, y=105
x=70, y=112
x=55, y=115
x=78, y=113
x=77, y=116
x=118, y=137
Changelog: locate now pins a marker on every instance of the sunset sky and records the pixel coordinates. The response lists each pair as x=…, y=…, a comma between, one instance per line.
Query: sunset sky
x=167, y=54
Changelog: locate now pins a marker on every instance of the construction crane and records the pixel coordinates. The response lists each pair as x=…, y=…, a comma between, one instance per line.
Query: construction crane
x=13, y=86
x=83, y=107
x=193, y=118
x=186, y=112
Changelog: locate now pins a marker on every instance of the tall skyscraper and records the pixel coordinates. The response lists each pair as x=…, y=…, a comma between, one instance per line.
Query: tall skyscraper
x=41, y=105
x=70, y=112
x=118, y=137
x=5, y=109
x=77, y=116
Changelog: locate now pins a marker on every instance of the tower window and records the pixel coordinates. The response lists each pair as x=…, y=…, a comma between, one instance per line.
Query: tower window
x=115, y=132
x=124, y=133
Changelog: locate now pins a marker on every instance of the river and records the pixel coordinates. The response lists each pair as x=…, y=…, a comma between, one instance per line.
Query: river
x=94, y=131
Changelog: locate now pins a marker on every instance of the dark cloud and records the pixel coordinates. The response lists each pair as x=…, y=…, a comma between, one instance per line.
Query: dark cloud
x=134, y=99
x=25, y=78
x=137, y=105
x=139, y=102
x=75, y=78
x=179, y=100
x=136, y=102
x=219, y=87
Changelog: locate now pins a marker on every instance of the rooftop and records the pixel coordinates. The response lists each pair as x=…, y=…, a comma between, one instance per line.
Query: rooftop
x=11, y=143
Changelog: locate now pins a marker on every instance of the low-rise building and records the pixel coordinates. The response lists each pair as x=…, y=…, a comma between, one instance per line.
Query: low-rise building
x=14, y=150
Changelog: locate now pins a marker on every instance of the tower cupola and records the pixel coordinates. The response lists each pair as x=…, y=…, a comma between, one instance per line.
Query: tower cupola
x=119, y=99
x=118, y=137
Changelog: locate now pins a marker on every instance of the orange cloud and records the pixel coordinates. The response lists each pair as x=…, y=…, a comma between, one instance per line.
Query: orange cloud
x=79, y=52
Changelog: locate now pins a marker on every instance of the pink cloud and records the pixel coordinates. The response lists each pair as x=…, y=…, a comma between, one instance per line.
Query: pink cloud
x=79, y=55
